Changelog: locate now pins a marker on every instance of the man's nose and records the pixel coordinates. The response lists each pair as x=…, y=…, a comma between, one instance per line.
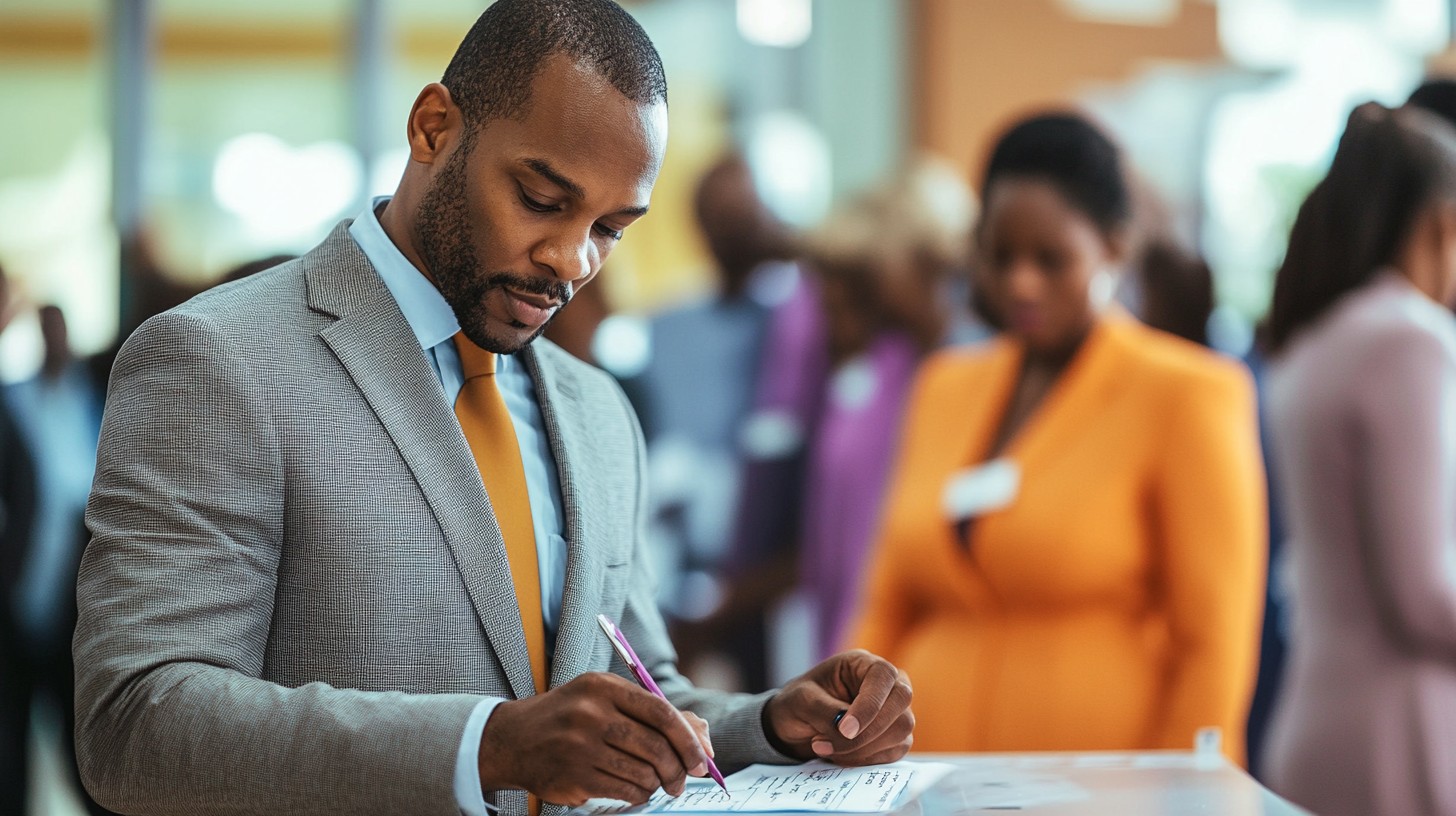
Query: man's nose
x=570, y=255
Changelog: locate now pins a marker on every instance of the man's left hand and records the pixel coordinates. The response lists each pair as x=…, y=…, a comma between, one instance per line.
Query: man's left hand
x=877, y=724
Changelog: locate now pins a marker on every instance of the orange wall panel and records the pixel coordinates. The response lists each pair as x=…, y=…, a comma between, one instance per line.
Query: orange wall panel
x=981, y=62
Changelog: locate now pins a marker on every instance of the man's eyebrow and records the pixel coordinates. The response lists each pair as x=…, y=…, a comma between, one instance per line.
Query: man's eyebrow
x=544, y=169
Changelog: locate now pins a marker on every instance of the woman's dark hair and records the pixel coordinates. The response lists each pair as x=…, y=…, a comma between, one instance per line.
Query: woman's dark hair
x=1071, y=154
x=1388, y=167
x=1437, y=96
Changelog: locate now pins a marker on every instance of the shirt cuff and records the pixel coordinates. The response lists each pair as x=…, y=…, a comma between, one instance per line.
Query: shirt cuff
x=468, y=793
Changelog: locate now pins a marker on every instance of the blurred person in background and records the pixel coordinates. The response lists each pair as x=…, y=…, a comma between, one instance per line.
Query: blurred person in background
x=1072, y=551
x=1175, y=290
x=1274, y=639
x=58, y=413
x=838, y=351
x=150, y=290
x=578, y=332
x=17, y=518
x=788, y=398
x=1437, y=95
x=1175, y=294
x=1362, y=402
x=698, y=388
x=886, y=265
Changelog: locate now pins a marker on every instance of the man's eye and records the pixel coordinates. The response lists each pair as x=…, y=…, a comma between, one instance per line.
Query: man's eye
x=608, y=232
x=537, y=206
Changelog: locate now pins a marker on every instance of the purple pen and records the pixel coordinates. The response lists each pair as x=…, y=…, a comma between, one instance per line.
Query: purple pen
x=624, y=650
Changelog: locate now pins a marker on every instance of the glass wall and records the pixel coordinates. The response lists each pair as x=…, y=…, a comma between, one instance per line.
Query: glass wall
x=56, y=239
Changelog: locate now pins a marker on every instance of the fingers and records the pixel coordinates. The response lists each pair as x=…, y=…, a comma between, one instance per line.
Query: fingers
x=894, y=753
x=872, y=696
x=626, y=777
x=647, y=749
x=878, y=679
x=888, y=746
x=894, y=704
x=597, y=736
x=700, y=729
x=687, y=749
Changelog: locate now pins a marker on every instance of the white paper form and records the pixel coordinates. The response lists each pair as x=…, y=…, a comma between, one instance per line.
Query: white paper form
x=815, y=787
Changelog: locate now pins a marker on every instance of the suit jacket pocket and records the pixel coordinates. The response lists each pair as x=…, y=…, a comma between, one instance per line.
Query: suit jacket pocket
x=616, y=585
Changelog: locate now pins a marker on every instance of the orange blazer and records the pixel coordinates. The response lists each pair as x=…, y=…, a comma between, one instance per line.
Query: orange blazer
x=1116, y=603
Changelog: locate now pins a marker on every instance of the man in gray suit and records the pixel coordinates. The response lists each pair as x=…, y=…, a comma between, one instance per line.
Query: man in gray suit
x=298, y=597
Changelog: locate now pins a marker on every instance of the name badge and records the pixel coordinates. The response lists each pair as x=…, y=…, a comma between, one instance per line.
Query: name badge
x=982, y=489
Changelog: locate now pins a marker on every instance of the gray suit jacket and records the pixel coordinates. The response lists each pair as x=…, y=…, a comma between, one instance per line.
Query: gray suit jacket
x=296, y=590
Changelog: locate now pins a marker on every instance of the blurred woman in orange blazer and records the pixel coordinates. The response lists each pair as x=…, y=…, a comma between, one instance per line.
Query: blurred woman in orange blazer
x=1072, y=554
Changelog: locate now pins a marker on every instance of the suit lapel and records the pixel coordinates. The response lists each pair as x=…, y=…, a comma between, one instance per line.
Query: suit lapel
x=567, y=419
x=376, y=346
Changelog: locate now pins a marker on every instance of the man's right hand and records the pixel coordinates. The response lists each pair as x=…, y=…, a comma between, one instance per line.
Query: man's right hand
x=597, y=736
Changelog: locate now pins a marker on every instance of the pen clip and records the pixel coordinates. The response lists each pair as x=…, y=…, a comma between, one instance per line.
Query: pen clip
x=621, y=648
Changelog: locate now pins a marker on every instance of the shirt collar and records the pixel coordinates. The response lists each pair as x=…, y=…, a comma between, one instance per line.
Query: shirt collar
x=425, y=309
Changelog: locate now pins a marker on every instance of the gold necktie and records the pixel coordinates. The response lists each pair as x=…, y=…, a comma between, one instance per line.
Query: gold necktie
x=487, y=426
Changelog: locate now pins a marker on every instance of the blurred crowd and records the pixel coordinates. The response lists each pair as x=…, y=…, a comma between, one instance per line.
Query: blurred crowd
x=985, y=434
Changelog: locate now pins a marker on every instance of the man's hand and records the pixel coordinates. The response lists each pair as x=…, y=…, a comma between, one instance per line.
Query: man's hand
x=597, y=736
x=875, y=696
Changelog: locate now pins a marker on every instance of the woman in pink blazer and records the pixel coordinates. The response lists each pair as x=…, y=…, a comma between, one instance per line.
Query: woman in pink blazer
x=1363, y=419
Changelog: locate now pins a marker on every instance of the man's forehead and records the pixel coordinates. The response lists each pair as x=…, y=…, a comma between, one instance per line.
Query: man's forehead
x=570, y=98
x=584, y=135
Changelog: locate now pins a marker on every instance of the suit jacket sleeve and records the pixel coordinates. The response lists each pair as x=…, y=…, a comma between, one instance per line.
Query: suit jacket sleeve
x=175, y=598
x=1406, y=415
x=1210, y=508
x=735, y=720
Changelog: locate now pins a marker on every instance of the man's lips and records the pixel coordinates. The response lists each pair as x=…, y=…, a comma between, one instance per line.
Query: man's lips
x=529, y=309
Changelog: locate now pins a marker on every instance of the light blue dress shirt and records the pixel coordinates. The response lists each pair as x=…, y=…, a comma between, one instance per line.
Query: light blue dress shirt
x=434, y=325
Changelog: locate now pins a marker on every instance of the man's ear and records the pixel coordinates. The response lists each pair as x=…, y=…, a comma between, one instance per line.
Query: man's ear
x=434, y=124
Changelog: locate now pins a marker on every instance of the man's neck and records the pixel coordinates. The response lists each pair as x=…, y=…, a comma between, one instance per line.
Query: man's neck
x=394, y=219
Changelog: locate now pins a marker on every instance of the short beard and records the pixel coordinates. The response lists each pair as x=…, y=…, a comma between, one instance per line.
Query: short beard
x=442, y=233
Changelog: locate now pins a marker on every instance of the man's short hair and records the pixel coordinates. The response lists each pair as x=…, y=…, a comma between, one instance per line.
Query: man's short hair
x=491, y=73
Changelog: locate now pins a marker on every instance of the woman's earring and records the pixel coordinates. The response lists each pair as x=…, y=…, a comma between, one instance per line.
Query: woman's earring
x=1101, y=289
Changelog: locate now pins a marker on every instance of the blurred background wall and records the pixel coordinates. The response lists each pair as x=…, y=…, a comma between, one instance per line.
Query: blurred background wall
x=147, y=147
x=177, y=138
